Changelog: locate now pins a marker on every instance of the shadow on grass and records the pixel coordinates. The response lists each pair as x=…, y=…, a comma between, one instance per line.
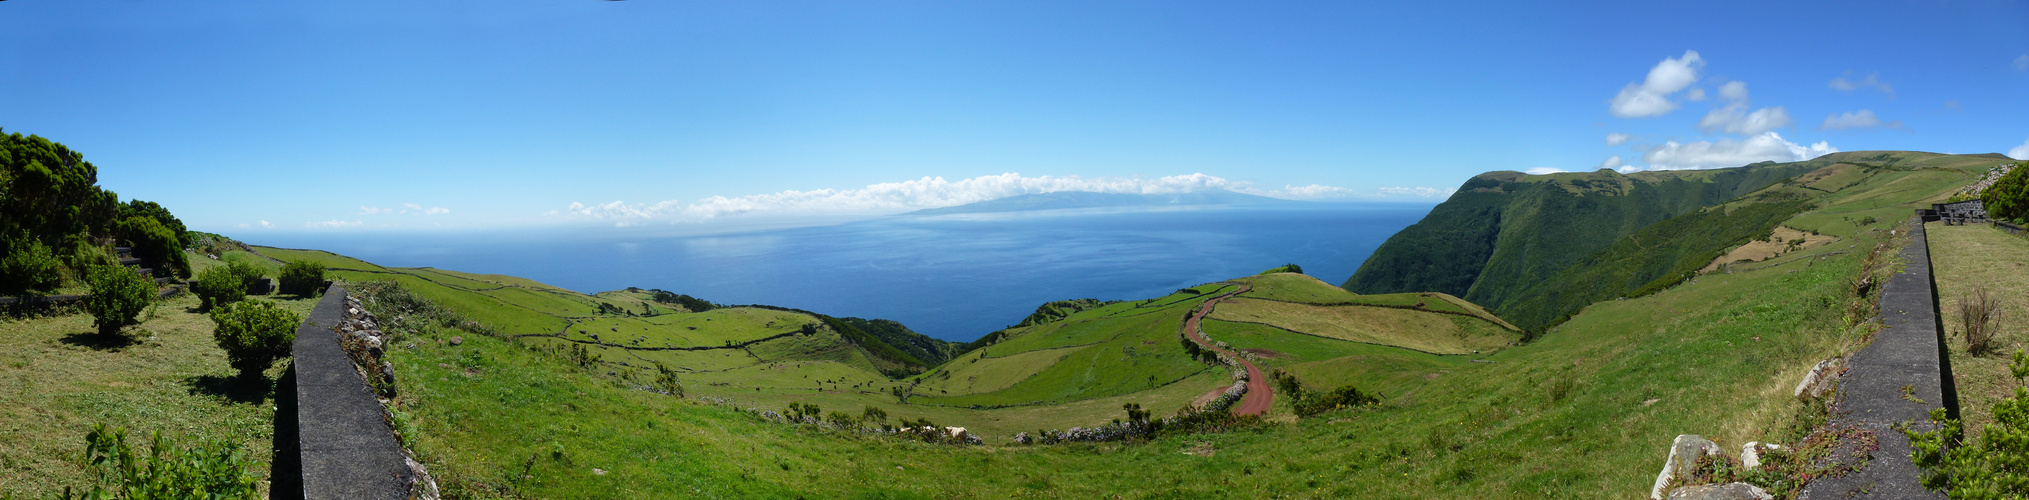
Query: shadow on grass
x=237, y=389
x=94, y=340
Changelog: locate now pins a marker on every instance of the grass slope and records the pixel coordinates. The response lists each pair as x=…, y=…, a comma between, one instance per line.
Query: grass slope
x=1963, y=258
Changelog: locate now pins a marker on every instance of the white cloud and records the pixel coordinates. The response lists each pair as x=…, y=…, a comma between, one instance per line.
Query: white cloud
x=2020, y=152
x=328, y=224
x=437, y=211
x=1652, y=96
x=2022, y=63
x=1733, y=118
x=1856, y=119
x=1417, y=191
x=1616, y=138
x=1731, y=153
x=366, y=210
x=1872, y=81
x=412, y=206
x=1695, y=95
x=1612, y=163
x=1544, y=171
x=266, y=224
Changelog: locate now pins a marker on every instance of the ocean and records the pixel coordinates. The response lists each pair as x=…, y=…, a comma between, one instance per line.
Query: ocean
x=954, y=277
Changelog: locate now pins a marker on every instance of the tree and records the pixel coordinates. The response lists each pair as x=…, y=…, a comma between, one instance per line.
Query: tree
x=154, y=242
x=302, y=278
x=665, y=381
x=118, y=296
x=254, y=334
x=218, y=286
x=2008, y=198
x=27, y=266
x=138, y=208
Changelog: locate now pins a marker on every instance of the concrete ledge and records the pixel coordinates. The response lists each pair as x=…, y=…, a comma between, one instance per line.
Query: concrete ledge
x=1900, y=377
x=346, y=449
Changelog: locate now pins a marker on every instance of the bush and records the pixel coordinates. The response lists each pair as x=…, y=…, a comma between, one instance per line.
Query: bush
x=254, y=334
x=168, y=469
x=302, y=278
x=665, y=381
x=118, y=296
x=2008, y=198
x=248, y=272
x=27, y=266
x=1285, y=268
x=1991, y=468
x=156, y=243
x=1977, y=312
x=1343, y=397
x=218, y=286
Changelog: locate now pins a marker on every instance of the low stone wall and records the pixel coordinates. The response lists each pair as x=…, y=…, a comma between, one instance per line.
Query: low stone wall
x=344, y=445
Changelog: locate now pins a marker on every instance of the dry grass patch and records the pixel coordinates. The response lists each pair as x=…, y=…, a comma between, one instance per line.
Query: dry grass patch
x=1422, y=331
x=1784, y=240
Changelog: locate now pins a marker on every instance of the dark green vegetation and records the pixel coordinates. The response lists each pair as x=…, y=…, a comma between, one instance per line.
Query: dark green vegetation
x=55, y=221
x=2008, y=198
x=254, y=334
x=302, y=278
x=1536, y=249
x=117, y=298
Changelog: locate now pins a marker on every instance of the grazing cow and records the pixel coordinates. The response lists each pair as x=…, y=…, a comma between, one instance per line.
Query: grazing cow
x=957, y=433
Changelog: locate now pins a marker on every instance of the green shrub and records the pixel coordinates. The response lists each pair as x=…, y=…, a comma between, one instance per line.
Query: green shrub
x=302, y=278
x=248, y=272
x=212, y=469
x=2008, y=198
x=154, y=242
x=665, y=381
x=1342, y=397
x=118, y=296
x=138, y=208
x=218, y=286
x=1285, y=268
x=1995, y=467
x=27, y=266
x=254, y=334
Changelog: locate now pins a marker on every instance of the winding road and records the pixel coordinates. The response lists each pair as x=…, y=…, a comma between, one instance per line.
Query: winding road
x=1259, y=395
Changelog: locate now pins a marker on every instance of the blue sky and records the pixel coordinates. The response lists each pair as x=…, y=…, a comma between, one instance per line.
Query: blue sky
x=459, y=115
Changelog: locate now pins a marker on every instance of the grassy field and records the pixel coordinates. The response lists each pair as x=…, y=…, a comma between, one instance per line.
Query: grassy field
x=1963, y=258
x=58, y=377
x=1613, y=386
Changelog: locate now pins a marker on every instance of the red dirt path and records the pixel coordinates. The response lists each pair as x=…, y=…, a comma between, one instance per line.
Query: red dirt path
x=1259, y=395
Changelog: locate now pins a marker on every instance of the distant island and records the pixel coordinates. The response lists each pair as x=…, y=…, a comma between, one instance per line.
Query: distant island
x=1087, y=199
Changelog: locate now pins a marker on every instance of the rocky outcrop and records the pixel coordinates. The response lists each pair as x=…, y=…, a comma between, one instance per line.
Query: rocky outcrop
x=1821, y=380
x=1683, y=459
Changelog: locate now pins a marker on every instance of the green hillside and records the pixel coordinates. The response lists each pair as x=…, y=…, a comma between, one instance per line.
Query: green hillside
x=1536, y=249
x=630, y=331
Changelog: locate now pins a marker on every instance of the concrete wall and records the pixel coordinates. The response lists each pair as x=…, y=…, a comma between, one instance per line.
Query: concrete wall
x=1908, y=352
x=344, y=447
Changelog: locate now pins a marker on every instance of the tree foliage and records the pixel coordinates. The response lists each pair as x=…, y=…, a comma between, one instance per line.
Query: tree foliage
x=156, y=243
x=2008, y=198
x=117, y=297
x=28, y=266
x=302, y=278
x=254, y=334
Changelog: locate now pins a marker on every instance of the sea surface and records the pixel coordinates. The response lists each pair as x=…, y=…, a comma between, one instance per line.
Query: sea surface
x=954, y=277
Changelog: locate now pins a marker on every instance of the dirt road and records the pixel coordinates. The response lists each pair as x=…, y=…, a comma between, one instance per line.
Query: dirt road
x=1259, y=395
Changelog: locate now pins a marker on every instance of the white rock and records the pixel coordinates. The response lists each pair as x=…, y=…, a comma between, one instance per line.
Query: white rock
x=1684, y=454
x=1820, y=381
x=1750, y=455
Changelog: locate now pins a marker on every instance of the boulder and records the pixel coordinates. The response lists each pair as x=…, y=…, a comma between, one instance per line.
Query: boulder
x=1750, y=455
x=1684, y=453
x=1821, y=380
x=457, y=339
x=1729, y=491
